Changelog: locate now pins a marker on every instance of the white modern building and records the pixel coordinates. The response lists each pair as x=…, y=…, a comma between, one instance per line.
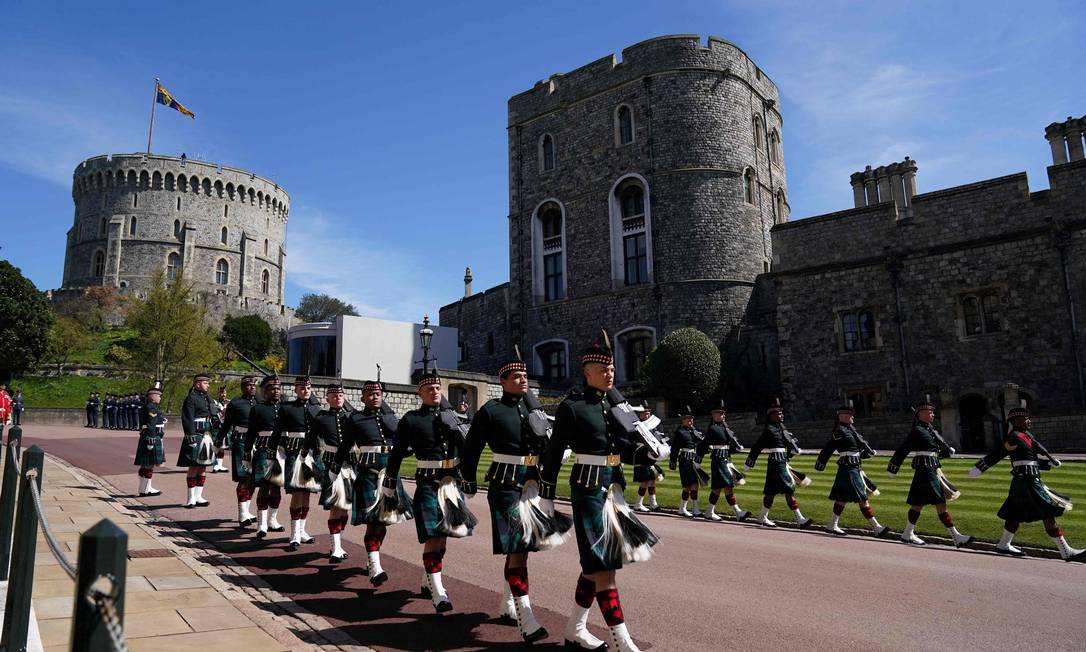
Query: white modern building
x=352, y=347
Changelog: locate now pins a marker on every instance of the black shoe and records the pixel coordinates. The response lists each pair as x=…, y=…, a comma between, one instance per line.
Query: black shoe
x=281, y=528
x=292, y=546
x=965, y=543
x=744, y=516
x=536, y=635
x=379, y=579
x=309, y=540
x=1010, y=553
x=1079, y=557
x=884, y=533
x=190, y=505
x=443, y=606
x=260, y=534
x=806, y=525
x=202, y=503
x=332, y=559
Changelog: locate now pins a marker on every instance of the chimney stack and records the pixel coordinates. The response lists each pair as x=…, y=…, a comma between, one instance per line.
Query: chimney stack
x=1065, y=139
x=467, y=282
x=895, y=182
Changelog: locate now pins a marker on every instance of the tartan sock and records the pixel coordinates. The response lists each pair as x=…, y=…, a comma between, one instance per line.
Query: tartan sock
x=244, y=492
x=294, y=514
x=431, y=561
x=686, y=495
x=518, y=580
x=274, y=498
x=610, y=606
x=586, y=591
x=838, y=509
x=713, y=497
x=793, y=504
x=1010, y=526
x=143, y=472
x=730, y=498
x=945, y=518
x=372, y=543
x=652, y=490
x=640, y=491
x=150, y=473
x=767, y=501
x=303, y=513
x=914, y=516
x=336, y=525
x=261, y=502
x=1054, y=532
x=190, y=482
x=694, y=495
x=867, y=512
x=200, y=480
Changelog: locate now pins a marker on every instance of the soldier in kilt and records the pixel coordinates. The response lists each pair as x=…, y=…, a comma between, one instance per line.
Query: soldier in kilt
x=646, y=475
x=684, y=455
x=780, y=478
x=149, y=450
x=718, y=443
x=300, y=454
x=1028, y=499
x=235, y=423
x=371, y=433
x=608, y=532
x=433, y=434
x=519, y=526
x=267, y=468
x=220, y=404
x=326, y=440
x=929, y=485
x=850, y=485
x=197, y=452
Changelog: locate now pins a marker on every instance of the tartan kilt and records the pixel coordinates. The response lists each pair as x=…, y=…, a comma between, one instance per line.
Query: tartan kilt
x=150, y=451
x=720, y=475
x=364, y=508
x=588, y=521
x=926, y=488
x=1028, y=501
x=848, y=485
x=190, y=448
x=504, y=500
x=263, y=463
x=291, y=457
x=241, y=464
x=428, y=515
x=691, y=474
x=644, y=473
x=777, y=479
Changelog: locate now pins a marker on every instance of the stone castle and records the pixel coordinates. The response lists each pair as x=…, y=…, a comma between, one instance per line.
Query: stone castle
x=221, y=228
x=650, y=194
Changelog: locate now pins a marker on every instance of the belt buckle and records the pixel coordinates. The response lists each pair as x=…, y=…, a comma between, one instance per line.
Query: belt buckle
x=613, y=460
x=531, y=460
x=447, y=464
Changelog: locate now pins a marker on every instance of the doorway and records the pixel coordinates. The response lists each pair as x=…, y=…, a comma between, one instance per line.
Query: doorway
x=973, y=413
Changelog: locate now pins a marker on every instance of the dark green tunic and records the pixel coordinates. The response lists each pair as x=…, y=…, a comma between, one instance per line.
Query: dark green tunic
x=149, y=450
x=779, y=445
x=196, y=421
x=927, y=446
x=719, y=435
x=232, y=433
x=1028, y=499
x=295, y=417
x=848, y=485
x=369, y=428
x=684, y=454
x=258, y=438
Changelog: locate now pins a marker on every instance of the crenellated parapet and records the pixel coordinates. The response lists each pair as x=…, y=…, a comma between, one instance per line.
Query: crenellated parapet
x=895, y=182
x=1066, y=138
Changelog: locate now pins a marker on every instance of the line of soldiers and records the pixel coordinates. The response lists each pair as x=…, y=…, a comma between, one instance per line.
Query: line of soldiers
x=117, y=412
x=351, y=459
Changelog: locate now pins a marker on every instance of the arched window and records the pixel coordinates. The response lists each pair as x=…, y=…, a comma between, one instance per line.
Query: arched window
x=782, y=206
x=169, y=181
x=222, y=272
x=748, y=186
x=173, y=262
x=546, y=153
x=177, y=228
x=774, y=147
x=264, y=278
x=145, y=179
x=624, y=125
x=759, y=133
x=551, y=360
x=156, y=180
x=265, y=246
x=224, y=235
x=548, y=252
x=132, y=225
x=631, y=247
x=99, y=269
x=194, y=184
x=634, y=346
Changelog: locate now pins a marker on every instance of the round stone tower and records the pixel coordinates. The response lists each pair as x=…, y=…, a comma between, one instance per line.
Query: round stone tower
x=219, y=227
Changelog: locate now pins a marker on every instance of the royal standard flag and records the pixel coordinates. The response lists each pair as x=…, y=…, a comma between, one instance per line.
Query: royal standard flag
x=166, y=99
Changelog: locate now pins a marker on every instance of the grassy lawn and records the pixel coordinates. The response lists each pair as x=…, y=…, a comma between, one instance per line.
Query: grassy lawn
x=974, y=513
x=71, y=391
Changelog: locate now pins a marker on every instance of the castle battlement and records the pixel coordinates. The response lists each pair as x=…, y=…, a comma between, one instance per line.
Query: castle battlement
x=661, y=55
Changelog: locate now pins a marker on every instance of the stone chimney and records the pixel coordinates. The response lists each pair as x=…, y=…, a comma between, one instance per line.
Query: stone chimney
x=1065, y=139
x=895, y=182
x=467, y=282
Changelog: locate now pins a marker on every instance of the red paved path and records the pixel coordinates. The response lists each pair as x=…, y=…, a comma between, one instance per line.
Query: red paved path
x=709, y=586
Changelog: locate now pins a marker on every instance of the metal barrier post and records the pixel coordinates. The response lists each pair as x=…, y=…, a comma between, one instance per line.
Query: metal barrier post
x=102, y=563
x=17, y=611
x=7, y=498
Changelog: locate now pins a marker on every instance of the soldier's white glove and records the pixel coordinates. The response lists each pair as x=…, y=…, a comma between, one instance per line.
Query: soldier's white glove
x=566, y=454
x=975, y=472
x=799, y=451
x=1056, y=463
x=665, y=452
x=547, y=505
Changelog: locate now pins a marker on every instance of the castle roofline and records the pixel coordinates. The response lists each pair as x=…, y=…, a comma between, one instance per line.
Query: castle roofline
x=475, y=297
x=191, y=165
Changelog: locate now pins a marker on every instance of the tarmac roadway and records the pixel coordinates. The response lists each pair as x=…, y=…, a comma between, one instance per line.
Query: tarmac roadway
x=710, y=586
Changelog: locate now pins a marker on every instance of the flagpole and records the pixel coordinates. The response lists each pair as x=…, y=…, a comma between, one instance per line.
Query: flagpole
x=151, y=129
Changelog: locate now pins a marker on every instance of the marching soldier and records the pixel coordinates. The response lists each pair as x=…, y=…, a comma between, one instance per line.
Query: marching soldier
x=780, y=478
x=684, y=454
x=929, y=486
x=300, y=454
x=609, y=534
x=370, y=438
x=648, y=474
x=325, y=440
x=433, y=434
x=519, y=526
x=93, y=402
x=235, y=423
x=851, y=484
x=1029, y=499
x=220, y=404
x=719, y=442
x=266, y=473
x=149, y=451
x=198, y=448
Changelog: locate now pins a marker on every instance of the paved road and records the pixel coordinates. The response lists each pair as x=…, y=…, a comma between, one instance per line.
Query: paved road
x=708, y=586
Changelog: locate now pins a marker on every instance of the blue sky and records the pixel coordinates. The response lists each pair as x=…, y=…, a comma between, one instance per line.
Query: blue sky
x=386, y=121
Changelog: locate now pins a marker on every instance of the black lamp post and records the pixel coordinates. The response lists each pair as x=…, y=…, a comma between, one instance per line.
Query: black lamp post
x=426, y=334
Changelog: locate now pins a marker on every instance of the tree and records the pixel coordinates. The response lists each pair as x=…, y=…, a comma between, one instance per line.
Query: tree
x=684, y=368
x=250, y=335
x=67, y=336
x=25, y=320
x=172, y=338
x=321, y=307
